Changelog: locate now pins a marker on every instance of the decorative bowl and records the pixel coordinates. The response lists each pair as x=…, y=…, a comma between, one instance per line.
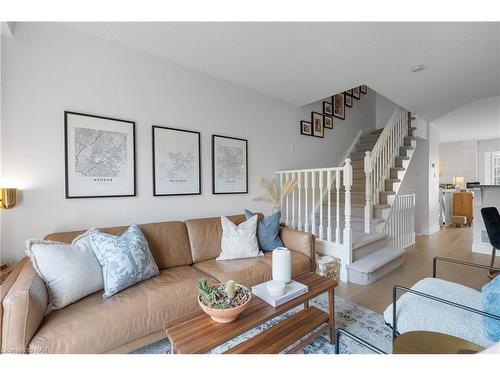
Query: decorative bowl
x=226, y=315
x=276, y=288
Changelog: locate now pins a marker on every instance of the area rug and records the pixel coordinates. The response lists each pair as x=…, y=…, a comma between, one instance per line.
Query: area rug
x=364, y=323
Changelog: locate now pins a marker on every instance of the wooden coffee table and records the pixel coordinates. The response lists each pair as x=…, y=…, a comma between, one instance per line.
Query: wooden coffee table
x=198, y=333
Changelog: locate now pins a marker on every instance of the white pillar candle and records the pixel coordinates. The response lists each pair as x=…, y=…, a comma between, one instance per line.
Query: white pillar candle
x=282, y=264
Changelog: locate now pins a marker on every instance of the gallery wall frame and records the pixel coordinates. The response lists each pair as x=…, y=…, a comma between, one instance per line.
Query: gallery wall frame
x=328, y=121
x=339, y=106
x=306, y=128
x=318, y=124
x=327, y=108
x=229, y=165
x=356, y=93
x=348, y=99
x=176, y=161
x=99, y=153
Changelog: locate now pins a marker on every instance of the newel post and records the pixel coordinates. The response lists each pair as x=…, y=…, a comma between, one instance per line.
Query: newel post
x=347, y=211
x=368, y=191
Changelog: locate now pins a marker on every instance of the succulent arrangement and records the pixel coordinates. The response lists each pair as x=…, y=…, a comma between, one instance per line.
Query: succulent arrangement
x=222, y=296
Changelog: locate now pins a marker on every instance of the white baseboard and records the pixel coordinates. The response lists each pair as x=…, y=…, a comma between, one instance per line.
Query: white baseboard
x=481, y=248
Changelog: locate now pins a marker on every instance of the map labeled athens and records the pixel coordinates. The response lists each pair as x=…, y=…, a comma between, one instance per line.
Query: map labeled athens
x=100, y=153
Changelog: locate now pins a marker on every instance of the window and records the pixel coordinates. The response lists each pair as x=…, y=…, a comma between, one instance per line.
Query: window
x=495, y=167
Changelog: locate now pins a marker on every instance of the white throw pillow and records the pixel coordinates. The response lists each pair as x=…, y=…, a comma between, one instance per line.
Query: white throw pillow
x=239, y=241
x=70, y=271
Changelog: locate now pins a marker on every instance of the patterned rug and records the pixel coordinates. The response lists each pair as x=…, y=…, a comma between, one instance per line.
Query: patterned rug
x=364, y=323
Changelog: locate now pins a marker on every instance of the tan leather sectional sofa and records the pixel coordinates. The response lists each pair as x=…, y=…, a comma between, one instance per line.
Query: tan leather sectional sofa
x=135, y=317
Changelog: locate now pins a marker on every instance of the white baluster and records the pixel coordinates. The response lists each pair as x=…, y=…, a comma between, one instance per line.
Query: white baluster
x=337, y=214
x=329, y=228
x=299, y=189
x=347, y=211
x=313, y=203
x=293, y=204
x=306, y=211
x=320, y=229
x=287, y=222
x=368, y=191
x=281, y=203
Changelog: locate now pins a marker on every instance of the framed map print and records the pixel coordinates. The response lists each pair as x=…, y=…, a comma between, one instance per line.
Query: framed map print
x=176, y=162
x=229, y=165
x=99, y=156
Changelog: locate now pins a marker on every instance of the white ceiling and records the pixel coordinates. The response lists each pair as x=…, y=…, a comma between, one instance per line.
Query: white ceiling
x=304, y=62
x=477, y=120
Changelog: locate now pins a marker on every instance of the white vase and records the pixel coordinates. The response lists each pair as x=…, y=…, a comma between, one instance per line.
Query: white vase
x=282, y=265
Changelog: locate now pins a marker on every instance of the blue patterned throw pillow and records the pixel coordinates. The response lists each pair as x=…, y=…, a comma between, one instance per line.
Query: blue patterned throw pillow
x=491, y=304
x=126, y=260
x=268, y=231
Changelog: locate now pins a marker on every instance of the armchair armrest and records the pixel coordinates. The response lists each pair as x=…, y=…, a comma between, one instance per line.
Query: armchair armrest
x=460, y=262
x=301, y=242
x=24, y=308
x=434, y=298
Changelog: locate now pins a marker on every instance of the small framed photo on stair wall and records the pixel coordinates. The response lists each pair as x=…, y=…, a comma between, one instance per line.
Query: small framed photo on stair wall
x=348, y=99
x=356, y=93
x=327, y=108
x=363, y=89
x=328, y=122
x=306, y=128
x=318, y=122
x=339, y=106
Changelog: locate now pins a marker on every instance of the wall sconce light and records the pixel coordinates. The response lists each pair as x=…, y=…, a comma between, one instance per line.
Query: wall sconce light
x=8, y=197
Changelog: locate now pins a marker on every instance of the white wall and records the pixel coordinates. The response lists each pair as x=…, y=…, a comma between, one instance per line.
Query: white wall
x=48, y=68
x=467, y=159
x=459, y=160
x=422, y=178
x=384, y=109
x=483, y=147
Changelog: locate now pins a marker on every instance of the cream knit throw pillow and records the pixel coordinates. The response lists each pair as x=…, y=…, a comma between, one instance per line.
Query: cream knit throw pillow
x=239, y=241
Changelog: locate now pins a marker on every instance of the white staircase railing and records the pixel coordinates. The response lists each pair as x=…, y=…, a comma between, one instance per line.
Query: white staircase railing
x=314, y=188
x=400, y=224
x=378, y=162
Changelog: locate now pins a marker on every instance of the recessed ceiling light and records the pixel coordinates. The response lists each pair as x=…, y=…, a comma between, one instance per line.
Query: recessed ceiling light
x=417, y=68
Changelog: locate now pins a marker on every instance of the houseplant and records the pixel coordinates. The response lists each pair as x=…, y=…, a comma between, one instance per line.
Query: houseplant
x=223, y=302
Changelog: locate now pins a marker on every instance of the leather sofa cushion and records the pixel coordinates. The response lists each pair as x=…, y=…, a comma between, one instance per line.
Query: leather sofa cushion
x=94, y=325
x=205, y=236
x=168, y=241
x=250, y=271
x=247, y=272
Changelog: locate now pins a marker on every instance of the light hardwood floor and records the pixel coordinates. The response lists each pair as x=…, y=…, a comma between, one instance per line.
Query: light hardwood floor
x=450, y=242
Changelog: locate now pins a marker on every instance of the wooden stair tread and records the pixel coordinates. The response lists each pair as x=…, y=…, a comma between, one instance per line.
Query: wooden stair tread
x=388, y=192
x=284, y=334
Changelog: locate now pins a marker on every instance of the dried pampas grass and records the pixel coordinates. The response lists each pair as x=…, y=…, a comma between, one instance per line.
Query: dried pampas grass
x=271, y=192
